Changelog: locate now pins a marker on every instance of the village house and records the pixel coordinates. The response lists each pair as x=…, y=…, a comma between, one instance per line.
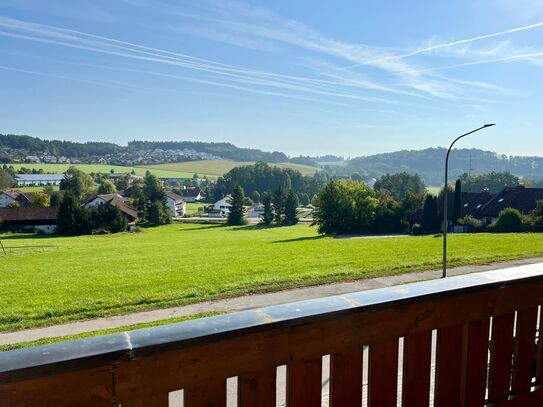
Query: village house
x=49, y=159
x=121, y=202
x=42, y=220
x=176, y=204
x=520, y=197
x=255, y=211
x=8, y=197
x=221, y=208
x=192, y=194
x=473, y=202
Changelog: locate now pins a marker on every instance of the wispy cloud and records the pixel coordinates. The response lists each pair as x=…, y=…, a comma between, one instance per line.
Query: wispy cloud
x=233, y=21
x=391, y=78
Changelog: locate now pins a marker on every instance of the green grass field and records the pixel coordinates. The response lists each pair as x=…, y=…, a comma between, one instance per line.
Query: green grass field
x=105, y=168
x=49, y=279
x=36, y=189
x=210, y=168
x=192, y=208
x=220, y=167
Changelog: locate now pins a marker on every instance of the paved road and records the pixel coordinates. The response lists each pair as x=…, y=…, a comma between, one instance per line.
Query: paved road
x=243, y=303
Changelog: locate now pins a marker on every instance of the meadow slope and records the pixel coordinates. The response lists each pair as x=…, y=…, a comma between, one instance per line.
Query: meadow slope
x=50, y=279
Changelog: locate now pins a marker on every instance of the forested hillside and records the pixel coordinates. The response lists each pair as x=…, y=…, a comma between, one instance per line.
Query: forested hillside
x=428, y=163
x=223, y=150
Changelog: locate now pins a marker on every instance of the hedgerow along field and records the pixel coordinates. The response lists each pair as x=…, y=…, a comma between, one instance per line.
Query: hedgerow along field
x=46, y=280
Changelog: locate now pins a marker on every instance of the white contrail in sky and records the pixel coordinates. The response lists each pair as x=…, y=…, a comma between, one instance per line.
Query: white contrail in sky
x=486, y=61
x=451, y=44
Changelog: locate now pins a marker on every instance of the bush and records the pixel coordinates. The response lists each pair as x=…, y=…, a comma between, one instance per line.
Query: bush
x=474, y=225
x=509, y=220
x=416, y=229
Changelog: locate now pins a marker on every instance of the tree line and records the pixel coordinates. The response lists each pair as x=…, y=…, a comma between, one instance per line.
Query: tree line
x=258, y=178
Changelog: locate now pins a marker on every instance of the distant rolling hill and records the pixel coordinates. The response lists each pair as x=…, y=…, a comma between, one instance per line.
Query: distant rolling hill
x=428, y=163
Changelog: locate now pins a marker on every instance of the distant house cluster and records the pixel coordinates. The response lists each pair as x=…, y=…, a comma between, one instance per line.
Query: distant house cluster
x=487, y=207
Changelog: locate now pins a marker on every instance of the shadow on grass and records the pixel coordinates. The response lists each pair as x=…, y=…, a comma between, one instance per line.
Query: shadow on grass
x=255, y=226
x=300, y=239
x=26, y=236
x=203, y=226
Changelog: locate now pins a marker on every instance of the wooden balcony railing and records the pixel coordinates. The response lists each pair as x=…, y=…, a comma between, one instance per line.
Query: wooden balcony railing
x=464, y=341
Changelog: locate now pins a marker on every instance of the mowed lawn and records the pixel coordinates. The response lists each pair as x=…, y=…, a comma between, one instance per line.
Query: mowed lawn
x=47, y=280
x=221, y=167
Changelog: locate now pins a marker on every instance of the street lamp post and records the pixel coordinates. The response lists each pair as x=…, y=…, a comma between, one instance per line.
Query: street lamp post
x=445, y=198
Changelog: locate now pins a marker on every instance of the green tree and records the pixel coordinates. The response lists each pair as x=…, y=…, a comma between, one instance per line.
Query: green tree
x=40, y=200
x=138, y=201
x=430, y=215
x=287, y=183
x=76, y=182
x=111, y=218
x=268, y=216
x=494, y=182
x=158, y=213
x=509, y=220
x=345, y=206
x=304, y=199
x=6, y=180
x=72, y=218
x=55, y=199
x=121, y=183
x=279, y=204
x=457, y=203
x=106, y=187
x=412, y=203
x=291, y=206
x=255, y=196
x=236, y=214
x=400, y=184
x=388, y=214
x=536, y=215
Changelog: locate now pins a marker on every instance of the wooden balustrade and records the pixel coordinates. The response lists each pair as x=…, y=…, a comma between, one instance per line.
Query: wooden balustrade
x=479, y=330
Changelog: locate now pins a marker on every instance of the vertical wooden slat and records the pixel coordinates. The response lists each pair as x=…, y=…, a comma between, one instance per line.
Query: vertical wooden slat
x=539, y=372
x=501, y=357
x=417, y=358
x=383, y=374
x=210, y=393
x=346, y=378
x=524, y=357
x=304, y=382
x=257, y=389
x=449, y=366
x=477, y=362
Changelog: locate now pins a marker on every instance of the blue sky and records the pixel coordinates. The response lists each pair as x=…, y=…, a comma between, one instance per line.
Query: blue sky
x=303, y=77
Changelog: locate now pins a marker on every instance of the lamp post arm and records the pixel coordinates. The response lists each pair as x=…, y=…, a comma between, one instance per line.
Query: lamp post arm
x=445, y=197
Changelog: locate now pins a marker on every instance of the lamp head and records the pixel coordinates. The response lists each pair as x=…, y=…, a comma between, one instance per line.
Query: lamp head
x=489, y=124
